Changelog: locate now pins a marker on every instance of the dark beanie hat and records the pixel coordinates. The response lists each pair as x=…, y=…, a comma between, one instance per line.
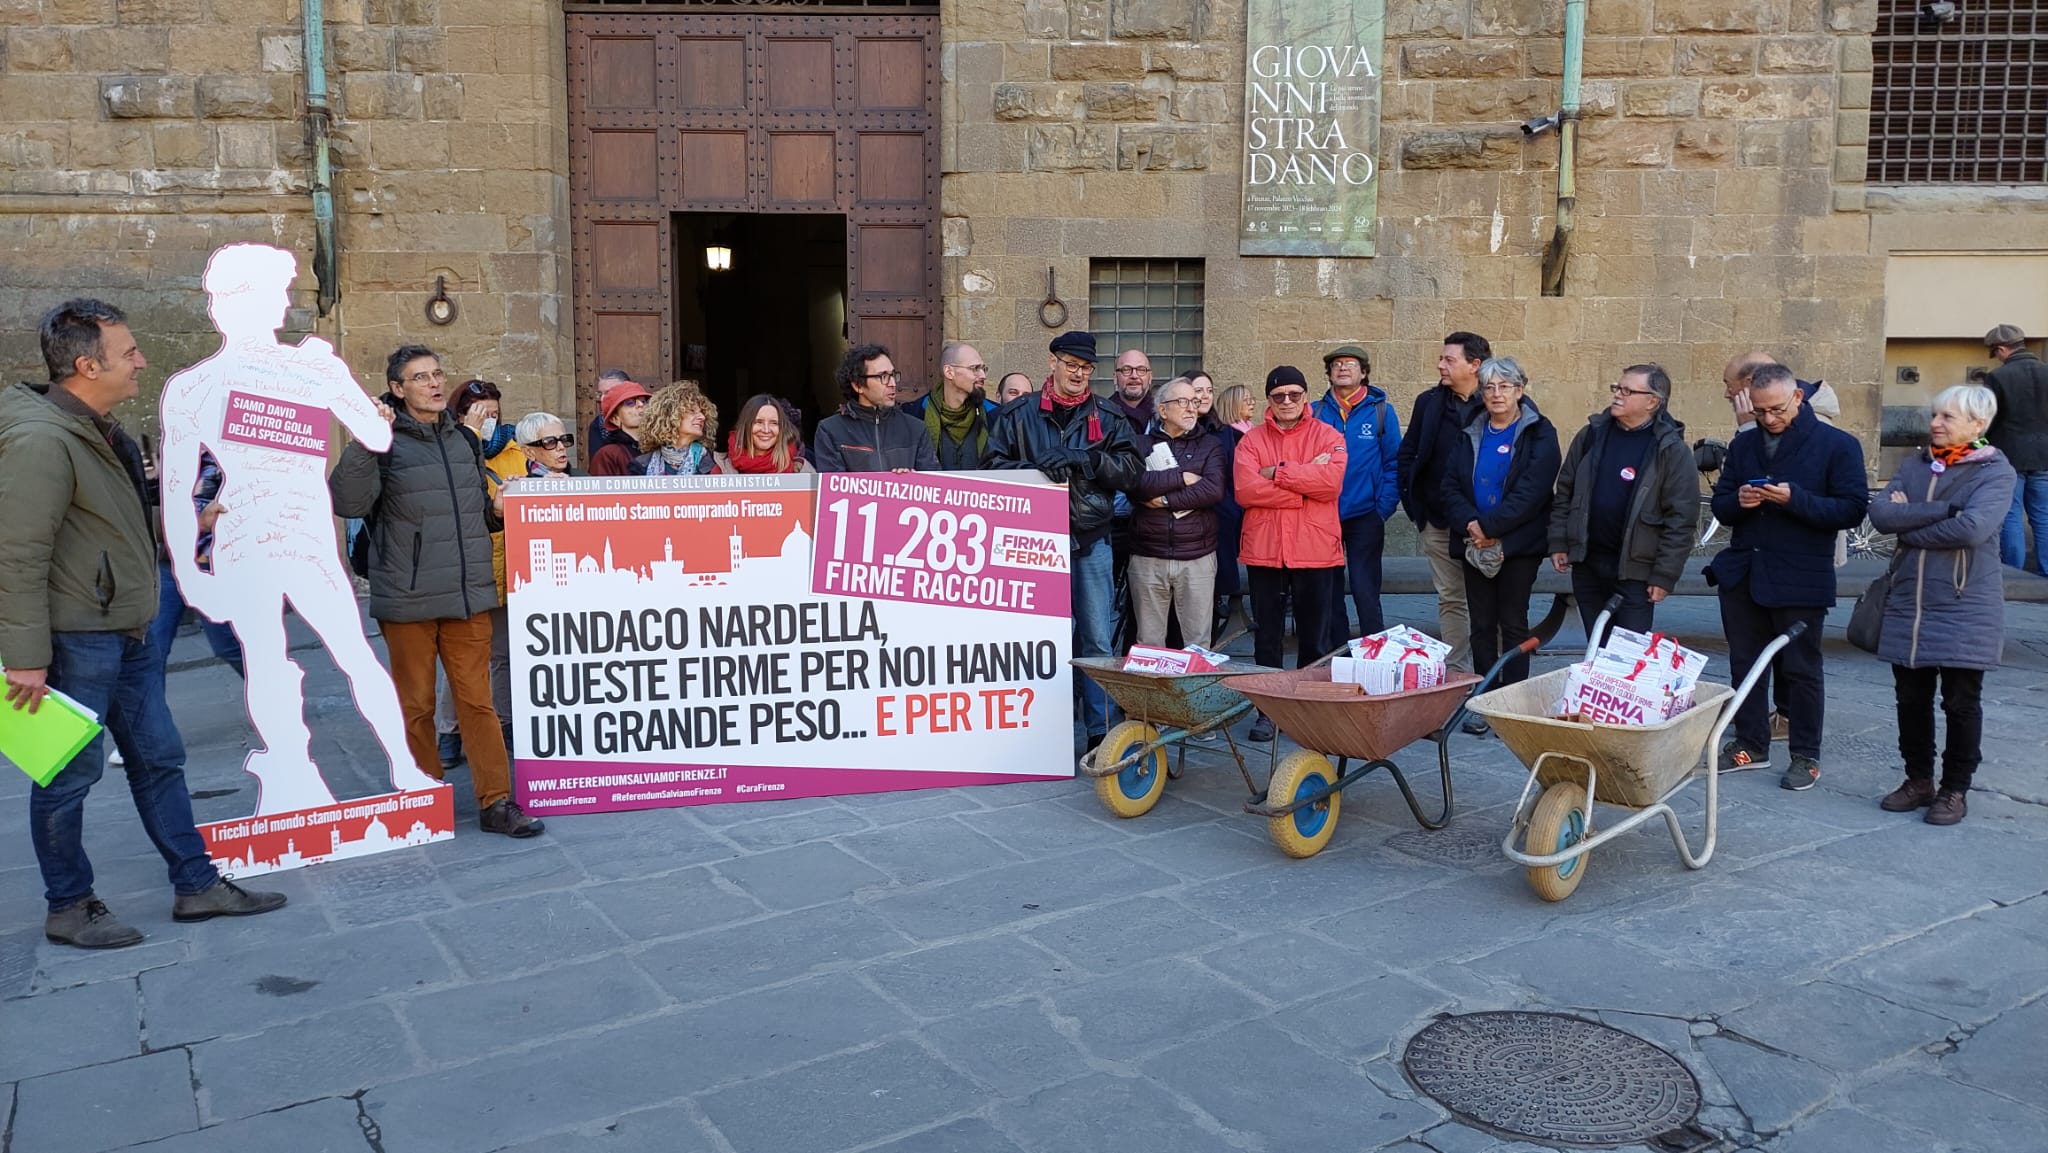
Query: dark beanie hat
x=1284, y=375
x=1076, y=343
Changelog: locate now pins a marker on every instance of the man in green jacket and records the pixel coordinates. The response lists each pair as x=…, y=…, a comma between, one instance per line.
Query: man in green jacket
x=78, y=590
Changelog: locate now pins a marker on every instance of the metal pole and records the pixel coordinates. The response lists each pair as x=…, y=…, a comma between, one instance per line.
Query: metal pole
x=1559, y=250
x=318, y=118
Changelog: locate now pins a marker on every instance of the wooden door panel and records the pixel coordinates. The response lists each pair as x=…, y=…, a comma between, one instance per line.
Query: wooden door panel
x=889, y=75
x=625, y=166
x=800, y=169
x=714, y=171
x=890, y=168
x=622, y=73
x=629, y=340
x=904, y=337
x=889, y=260
x=625, y=256
x=713, y=73
x=797, y=74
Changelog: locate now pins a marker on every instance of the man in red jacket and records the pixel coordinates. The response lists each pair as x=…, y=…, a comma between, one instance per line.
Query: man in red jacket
x=1290, y=472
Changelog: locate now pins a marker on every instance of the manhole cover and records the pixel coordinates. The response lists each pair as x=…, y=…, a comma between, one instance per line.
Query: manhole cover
x=1552, y=1078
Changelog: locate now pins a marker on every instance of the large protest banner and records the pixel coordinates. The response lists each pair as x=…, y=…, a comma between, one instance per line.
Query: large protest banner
x=1312, y=127
x=696, y=640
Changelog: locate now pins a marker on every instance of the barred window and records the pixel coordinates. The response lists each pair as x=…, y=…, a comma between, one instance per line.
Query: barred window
x=1154, y=306
x=1960, y=92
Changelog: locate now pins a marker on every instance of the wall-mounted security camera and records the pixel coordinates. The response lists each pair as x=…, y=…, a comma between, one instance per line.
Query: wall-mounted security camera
x=1909, y=374
x=1939, y=12
x=1976, y=375
x=1540, y=125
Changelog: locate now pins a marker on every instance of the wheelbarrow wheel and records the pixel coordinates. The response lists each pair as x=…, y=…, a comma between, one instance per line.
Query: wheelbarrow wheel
x=1303, y=832
x=1133, y=791
x=1559, y=822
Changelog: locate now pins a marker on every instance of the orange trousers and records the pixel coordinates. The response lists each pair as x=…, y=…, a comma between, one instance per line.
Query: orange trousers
x=463, y=647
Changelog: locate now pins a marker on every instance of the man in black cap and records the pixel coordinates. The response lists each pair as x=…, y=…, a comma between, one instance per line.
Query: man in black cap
x=1372, y=440
x=1063, y=433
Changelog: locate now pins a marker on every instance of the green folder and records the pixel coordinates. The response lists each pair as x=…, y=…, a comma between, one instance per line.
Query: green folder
x=42, y=743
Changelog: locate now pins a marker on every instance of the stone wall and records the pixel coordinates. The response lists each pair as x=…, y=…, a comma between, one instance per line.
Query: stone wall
x=142, y=134
x=1711, y=219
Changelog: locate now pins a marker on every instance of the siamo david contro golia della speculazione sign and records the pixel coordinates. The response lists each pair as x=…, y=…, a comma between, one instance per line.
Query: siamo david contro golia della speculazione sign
x=1312, y=127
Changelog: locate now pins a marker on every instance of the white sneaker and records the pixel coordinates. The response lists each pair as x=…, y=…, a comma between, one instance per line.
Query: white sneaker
x=114, y=759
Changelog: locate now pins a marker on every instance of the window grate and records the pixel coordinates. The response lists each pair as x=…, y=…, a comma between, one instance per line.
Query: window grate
x=1960, y=94
x=1154, y=306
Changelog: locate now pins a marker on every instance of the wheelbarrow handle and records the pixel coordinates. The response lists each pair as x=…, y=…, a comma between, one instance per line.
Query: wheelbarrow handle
x=1741, y=693
x=1600, y=623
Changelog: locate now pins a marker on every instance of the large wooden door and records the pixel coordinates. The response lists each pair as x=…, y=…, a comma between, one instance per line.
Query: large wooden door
x=760, y=113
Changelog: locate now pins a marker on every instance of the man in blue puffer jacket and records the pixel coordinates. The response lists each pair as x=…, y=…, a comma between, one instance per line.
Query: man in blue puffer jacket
x=1372, y=440
x=1789, y=485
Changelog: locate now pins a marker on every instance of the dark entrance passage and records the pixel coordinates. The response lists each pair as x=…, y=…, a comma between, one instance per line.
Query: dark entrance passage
x=774, y=320
x=776, y=128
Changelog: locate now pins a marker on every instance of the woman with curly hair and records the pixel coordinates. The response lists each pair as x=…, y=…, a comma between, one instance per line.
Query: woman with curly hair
x=679, y=423
x=764, y=442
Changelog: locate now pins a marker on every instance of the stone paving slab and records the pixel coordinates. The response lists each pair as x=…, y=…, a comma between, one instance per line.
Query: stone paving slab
x=1012, y=970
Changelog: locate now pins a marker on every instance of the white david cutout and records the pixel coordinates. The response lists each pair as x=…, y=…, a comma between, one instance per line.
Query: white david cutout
x=262, y=409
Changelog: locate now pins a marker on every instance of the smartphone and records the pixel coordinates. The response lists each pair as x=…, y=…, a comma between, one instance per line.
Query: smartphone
x=1758, y=482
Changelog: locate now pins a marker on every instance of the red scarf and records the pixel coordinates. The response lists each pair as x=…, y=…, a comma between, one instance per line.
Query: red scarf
x=1344, y=408
x=752, y=462
x=1049, y=396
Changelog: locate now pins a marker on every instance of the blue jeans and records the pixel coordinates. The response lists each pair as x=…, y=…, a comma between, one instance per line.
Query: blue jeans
x=170, y=610
x=2029, y=506
x=1094, y=585
x=122, y=679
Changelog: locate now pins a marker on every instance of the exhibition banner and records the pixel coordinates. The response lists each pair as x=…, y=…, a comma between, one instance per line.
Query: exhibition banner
x=1312, y=127
x=702, y=639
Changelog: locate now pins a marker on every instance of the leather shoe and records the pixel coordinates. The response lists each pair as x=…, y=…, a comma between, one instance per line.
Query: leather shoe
x=1916, y=793
x=223, y=899
x=508, y=818
x=89, y=924
x=1948, y=808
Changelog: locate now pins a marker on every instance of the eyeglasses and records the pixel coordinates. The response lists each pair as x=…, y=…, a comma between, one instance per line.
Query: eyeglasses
x=1178, y=400
x=1502, y=388
x=1288, y=396
x=891, y=376
x=566, y=440
x=1132, y=370
x=1785, y=409
x=478, y=387
x=1624, y=390
x=1071, y=365
x=436, y=376
x=971, y=368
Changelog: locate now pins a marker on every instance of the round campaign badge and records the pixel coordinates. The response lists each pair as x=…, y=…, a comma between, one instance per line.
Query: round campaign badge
x=1503, y=450
x=1628, y=474
x=1937, y=468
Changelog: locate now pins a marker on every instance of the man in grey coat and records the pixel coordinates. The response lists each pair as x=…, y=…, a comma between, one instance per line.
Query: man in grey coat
x=431, y=507
x=1628, y=499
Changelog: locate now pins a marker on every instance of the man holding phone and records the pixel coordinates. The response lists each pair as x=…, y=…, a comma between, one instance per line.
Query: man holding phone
x=1790, y=483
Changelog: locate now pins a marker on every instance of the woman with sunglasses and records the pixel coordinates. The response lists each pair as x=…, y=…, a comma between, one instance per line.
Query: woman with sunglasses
x=1499, y=490
x=545, y=442
x=678, y=430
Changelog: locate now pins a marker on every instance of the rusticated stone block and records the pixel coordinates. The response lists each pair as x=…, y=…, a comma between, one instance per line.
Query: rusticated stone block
x=246, y=97
x=1661, y=98
x=1120, y=101
x=147, y=97
x=1200, y=104
x=1721, y=16
x=1716, y=56
x=1157, y=19
x=1626, y=144
x=1476, y=148
x=1704, y=144
x=1034, y=102
x=1797, y=54
x=1098, y=62
x=1455, y=60
x=1162, y=149
x=1633, y=59
x=39, y=50
x=1765, y=99
x=1516, y=18
x=1068, y=148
